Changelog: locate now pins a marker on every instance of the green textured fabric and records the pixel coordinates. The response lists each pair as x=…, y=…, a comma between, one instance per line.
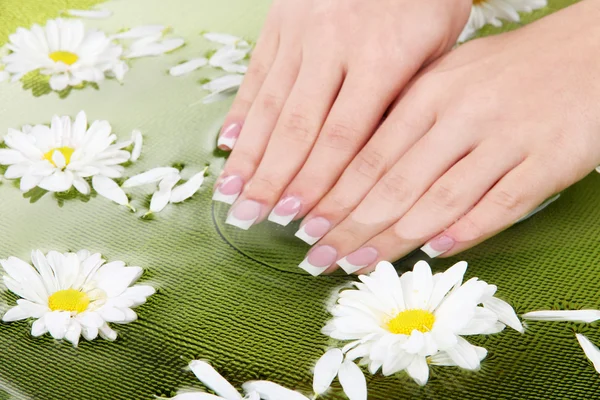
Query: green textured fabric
x=237, y=298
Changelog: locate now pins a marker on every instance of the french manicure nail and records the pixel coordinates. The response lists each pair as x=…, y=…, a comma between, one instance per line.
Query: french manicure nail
x=285, y=211
x=318, y=260
x=313, y=230
x=360, y=259
x=244, y=214
x=229, y=189
x=437, y=246
x=229, y=136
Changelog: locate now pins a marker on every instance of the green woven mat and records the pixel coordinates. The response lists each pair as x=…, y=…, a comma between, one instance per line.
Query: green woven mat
x=237, y=299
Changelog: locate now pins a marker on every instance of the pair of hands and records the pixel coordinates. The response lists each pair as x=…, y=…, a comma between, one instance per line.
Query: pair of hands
x=354, y=116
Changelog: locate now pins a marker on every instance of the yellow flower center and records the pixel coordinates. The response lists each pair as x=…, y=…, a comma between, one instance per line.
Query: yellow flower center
x=69, y=300
x=64, y=56
x=66, y=151
x=409, y=320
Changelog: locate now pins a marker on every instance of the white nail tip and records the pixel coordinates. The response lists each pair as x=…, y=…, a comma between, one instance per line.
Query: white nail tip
x=227, y=142
x=240, y=223
x=311, y=269
x=225, y=198
x=427, y=249
x=349, y=268
x=282, y=220
x=301, y=234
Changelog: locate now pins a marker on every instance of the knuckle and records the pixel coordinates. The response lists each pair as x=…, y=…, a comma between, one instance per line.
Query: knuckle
x=507, y=201
x=468, y=229
x=297, y=126
x=340, y=136
x=370, y=163
x=336, y=204
x=394, y=188
x=264, y=187
x=271, y=104
x=444, y=197
x=243, y=159
x=257, y=71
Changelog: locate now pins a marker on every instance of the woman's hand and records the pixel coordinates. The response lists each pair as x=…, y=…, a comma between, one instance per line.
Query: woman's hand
x=479, y=139
x=323, y=74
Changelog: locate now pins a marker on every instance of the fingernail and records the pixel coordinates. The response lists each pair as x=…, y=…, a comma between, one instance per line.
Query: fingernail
x=285, y=211
x=229, y=189
x=438, y=246
x=314, y=230
x=318, y=260
x=229, y=136
x=358, y=260
x=244, y=214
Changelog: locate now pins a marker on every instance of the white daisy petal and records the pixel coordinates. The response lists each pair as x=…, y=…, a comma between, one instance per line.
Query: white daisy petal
x=188, y=66
x=506, y=314
x=464, y=355
x=353, y=381
x=59, y=82
x=57, y=323
x=161, y=197
x=137, y=138
x=224, y=83
x=586, y=316
x=443, y=359
x=418, y=370
x=151, y=176
x=38, y=328
x=188, y=189
x=108, y=188
x=272, y=391
x=15, y=314
x=591, y=351
x=222, y=38
x=326, y=370
x=213, y=380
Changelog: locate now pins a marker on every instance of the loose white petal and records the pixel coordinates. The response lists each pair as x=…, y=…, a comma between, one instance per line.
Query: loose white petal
x=222, y=38
x=272, y=391
x=326, y=370
x=188, y=66
x=226, y=55
x=353, y=381
x=92, y=14
x=591, y=351
x=151, y=176
x=213, y=380
x=188, y=189
x=161, y=197
x=108, y=188
x=586, y=316
x=224, y=83
x=137, y=138
x=506, y=314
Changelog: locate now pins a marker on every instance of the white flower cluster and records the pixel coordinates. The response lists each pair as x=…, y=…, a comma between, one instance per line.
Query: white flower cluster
x=71, y=55
x=408, y=323
x=70, y=154
x=70, y=295
x=492, y=12
x=229, y=58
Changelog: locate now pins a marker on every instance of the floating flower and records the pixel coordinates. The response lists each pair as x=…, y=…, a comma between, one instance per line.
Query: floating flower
x=64, y=155
x=65, y=51
x=73, y=294
x=255, y=390
x=405, y=323
x=485, y=12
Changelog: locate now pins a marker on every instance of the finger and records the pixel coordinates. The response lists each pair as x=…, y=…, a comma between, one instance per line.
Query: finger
x=398, y=190
x=294, y=135
x=518, y=193
x=396, y=135
x=450, y=197
x=261, y=120
x=351, y=121
x=262, y=59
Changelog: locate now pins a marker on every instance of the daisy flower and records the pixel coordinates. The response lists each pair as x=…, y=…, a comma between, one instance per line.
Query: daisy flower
x=408, y=322
x=73, y=294
x=67, y=154
x=255, y=390
x=492, y=12
x=65, y=51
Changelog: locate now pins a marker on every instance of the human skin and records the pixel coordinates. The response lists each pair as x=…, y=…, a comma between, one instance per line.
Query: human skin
x=479, y=139
x=322, y=76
